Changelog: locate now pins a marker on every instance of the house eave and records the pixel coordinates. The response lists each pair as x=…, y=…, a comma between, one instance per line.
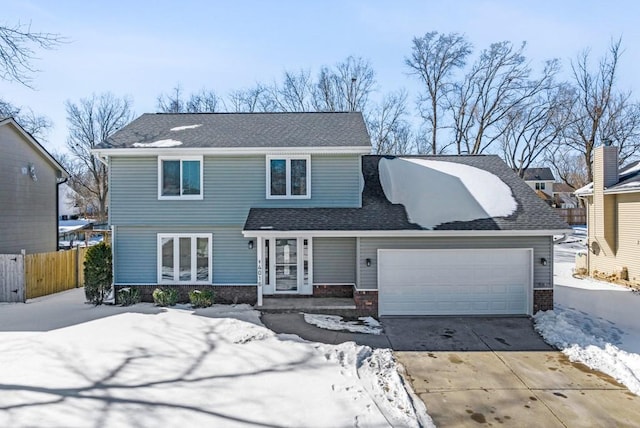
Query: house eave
x=270, y=233
x=610, y=192
x=231, y=151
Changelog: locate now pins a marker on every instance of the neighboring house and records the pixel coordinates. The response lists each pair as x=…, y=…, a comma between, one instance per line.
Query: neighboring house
x=613, y=217
x=72, y=233
x=29, y=178
x=287, y=204
x=67, y=202
x=541, y=180
x=563, y=196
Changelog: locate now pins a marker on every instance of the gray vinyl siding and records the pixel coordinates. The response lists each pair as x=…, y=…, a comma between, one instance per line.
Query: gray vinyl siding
x=232, y=185
x=135, y=254
x=542, y=248
x=28, y=207
x=334, y=260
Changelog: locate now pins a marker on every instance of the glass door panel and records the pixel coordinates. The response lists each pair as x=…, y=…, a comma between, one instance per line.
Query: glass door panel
x=167, y=259
x=185, y=259
x=286, y=265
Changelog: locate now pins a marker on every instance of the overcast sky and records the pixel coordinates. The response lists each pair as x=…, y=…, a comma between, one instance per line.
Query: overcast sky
x=141, y=49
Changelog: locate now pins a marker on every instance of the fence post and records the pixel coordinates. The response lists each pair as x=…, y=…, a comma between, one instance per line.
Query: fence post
x=77, y=265
x=23, y=253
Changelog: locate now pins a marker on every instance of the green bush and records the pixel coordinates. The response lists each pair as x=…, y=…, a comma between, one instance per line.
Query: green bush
x=128, y=296
x=165, y=296
x=201, y=299
x=98, y=276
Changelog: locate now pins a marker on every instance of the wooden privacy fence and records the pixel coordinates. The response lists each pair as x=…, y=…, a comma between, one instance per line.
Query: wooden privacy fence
x=41, y=274
x=573, y=215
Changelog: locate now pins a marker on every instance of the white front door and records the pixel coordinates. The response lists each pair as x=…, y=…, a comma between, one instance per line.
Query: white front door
x=287, y=265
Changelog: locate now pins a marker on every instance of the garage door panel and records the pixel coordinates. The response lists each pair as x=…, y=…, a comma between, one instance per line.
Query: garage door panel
x=454, y=282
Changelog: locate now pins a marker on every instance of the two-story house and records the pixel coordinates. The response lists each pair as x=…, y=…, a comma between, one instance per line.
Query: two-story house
x=541, y=180
x=257, y=204
x=29, y=178
x=613, y=217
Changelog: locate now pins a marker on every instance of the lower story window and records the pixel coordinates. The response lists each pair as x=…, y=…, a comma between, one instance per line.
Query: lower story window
x=184, y=258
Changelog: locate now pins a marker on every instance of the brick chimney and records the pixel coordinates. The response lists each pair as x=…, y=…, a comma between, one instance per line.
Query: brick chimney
x=605, y=174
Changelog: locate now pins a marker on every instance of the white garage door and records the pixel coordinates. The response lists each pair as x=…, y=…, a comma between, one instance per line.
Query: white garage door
x=454, y=282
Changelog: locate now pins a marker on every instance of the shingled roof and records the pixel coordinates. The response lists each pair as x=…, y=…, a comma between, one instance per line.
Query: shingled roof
x=628, y=181
x=538, y=174
x=378, y=214
x=242, y=130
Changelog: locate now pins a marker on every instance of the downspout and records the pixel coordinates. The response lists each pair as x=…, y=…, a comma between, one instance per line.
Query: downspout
x=64, y=180
x=584, y=201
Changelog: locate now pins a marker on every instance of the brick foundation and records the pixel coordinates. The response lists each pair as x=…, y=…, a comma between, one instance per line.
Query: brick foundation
x=366, y=302
x=223, y=294
x=542, y=300
x=329, y=290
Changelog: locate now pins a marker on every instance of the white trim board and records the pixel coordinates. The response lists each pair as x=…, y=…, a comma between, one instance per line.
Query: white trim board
x=231, y=151
x=270, y=233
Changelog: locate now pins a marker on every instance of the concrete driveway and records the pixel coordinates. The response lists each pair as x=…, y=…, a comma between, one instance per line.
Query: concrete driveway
x=474, y=372
x=488, y=371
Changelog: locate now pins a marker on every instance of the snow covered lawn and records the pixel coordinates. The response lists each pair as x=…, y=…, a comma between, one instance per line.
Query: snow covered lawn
x=593, y=322
x=177, y=367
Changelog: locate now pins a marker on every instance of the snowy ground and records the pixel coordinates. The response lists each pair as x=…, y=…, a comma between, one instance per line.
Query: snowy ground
x=142, y=366
x=593, y=322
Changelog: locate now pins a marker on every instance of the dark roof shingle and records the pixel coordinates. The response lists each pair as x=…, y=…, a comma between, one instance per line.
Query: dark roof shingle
x=541, y=174
x=377, y=213
x=240, y=130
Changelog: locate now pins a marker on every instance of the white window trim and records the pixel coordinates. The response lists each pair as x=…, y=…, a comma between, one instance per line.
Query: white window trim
x=181, y=158
x=288, y=160
x=176, y=257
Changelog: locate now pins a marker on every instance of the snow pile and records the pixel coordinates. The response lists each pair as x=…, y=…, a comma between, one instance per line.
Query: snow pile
x=591, y=342
x=366, y=325
x=182, y=128
x=377, y=372
x=147, y=366
x=437, y=192
x=160, y=143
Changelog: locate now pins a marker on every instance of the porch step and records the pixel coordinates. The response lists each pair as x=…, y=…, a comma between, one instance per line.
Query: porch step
x=342, y=306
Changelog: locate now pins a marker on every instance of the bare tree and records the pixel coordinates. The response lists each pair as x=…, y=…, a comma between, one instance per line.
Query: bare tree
x=251, y=100
x=531, y=128
x=498, y=82
x=35, y=124
x=389, y=129
x=172, y=102
x=204, y=101
x=346, y=87
x=90, y=122
x=433, y=59
x=17, y=51
x=295, y=93
x=567, y=165
x=601, y=112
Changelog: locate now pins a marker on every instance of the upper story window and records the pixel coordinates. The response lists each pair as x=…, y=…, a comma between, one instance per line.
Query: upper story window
x=539, y=186
x=288, y=177
x=180, y=177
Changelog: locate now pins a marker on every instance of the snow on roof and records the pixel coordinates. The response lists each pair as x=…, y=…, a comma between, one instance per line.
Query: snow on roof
x=160, y=143
x=182, y=128
x=630, y=169
x=65, y=226
x=437, y=192
x=585, y=190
